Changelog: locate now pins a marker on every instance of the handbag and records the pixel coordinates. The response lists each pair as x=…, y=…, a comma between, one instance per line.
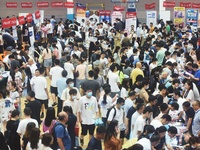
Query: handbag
x=40, y=59
x=76, y=74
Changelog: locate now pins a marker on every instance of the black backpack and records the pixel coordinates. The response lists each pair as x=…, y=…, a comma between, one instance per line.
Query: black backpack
x=108, y=112
x=54, y=146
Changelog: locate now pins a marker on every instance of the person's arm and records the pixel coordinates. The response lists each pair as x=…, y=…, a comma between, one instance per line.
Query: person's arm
x=60, y=144
x=146, y=97
x=189, y=123
x=47, y=93
x=127, y=126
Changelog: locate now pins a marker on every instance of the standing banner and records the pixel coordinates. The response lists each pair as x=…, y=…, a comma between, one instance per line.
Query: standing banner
x=21, y=20
x=80, y=13
x=115, y=15
x=13, y=21
x=192, y=16
x=105, y=14
x=37, y=14
x=31, y=35
x=151, y=17
x=131, y=19
x=6, y=23
x=29, y=18
x=179, y=16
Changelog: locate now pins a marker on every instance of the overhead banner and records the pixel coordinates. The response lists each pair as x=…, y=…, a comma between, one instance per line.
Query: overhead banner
x=11, y=4
x=115, y=15
x=118, y=8
x=68, y=4
x=151, y=17
x=169, y=4
x=192, y=17
x=26, y=5
x=105, y=15
x=150, y=6
x=42, y=4
x=56, y=4
x=131, y=19
x=179, y=16
x=186, y=5
x=195, y=5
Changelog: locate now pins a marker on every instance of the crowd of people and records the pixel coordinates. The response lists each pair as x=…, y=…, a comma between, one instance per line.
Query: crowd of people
x=116, y=84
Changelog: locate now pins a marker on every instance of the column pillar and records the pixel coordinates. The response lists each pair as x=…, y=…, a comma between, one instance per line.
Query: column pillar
x=70, y=11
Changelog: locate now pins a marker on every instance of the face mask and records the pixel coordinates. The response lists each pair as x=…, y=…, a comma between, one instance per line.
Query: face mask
x=71, y=85
x=74, y=97
x=147, y=87
x=122, y=107
x=150, y=135
x=89, y=94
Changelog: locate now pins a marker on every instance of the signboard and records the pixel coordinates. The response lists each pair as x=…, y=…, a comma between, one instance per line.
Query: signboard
x=179, y=16
x=105, y=14
x=6, y=23
x=131, y=19
x=118, y=8
x=192, y=17
x=21, y=20
x=29, y=18
x=115, y=15
x=11, y=4
x=151, y=17
x=124, y=1
x=26, y=5
x=42, y=4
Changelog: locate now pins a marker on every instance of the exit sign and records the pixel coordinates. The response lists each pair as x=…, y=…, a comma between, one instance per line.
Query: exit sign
x=124, y=1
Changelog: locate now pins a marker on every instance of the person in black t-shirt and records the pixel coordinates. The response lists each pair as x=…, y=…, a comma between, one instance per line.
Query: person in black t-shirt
x=95, y=141
x=35, y=106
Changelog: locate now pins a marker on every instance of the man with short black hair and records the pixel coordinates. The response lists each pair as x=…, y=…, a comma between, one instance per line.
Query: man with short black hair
x=170, y=138
x=95, y=141
x=164, y=120
x=196, y=121
x=34, y=105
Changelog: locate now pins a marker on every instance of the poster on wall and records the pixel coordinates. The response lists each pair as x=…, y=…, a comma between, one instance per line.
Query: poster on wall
x=179, y=16
x=115, y=15
x=151, y=17
x=192, y=17
x=131, y=19
x=105, y=15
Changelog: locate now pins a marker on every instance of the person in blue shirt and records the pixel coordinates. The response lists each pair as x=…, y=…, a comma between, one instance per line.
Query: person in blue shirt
x=95, y=141
x=196, y=75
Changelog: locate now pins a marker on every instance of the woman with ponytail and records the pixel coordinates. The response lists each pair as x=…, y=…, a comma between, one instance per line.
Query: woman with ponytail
x=105, y=103
x=47, y=56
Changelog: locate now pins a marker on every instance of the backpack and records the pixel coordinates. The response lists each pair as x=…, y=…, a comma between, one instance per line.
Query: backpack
x=108, y=112
x=54, y=146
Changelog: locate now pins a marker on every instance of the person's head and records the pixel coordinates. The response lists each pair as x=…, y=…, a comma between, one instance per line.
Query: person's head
x=57, y=62
x=37, y=72
x=34, y=138
x=111, y=130
x=31, y=95
x=68, y=110
x=29, y=127
x=162, y=88
x=27, y=111
x=165, y=119
x=155, y=139
x=120, y=103
x=100, y=132
x=63, y=117
x=195, y=67
x=70, y=83
x=145, y=84
x=13, y=85
x=64, y=73
x=194, y=141
x=147, y=112
x=47, y=139
x=172, y=131
x=132, y=95
x=140, y=108
x=30, y=61
x=176, y=94
x=50, y=115
x=152, y=100
x=176, y=82
x=188, y=85
x=88, y=92
x=187, y=136
x=135, y=147
x=149, y=130
x=113, y=67
x=42, y=71
x=91, y=73
x=174, y=106
x=161, y=131
x=186, y=105
x=164, y=108
x=138, y=65
x=196, y=105
x=73, y=94
x=15, y=114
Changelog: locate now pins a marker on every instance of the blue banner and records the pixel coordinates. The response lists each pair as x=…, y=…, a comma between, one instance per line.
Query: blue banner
x=192, y=17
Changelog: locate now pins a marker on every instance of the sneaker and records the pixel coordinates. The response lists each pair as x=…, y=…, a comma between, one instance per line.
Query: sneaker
x=54, y=104
x=82, y=142
x=42, y=115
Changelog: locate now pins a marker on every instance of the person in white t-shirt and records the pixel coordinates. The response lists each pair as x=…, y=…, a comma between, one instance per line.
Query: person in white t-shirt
x=40, y=89
x=32, y=66
x=129, y=101
x=88, y=111
x=141, y=122
x=164, y=120
x=69, y=67
x=170, y=138
x=59, y=31
x=23, y=123
x=72, y=101
x=55, y=73
x=114, y=80
x=49, y=30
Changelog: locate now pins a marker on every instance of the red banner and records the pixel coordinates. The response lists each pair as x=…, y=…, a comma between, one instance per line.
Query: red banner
x=150, y=6
x=37, y=14
x=195, y=5
x=68, y=4
x=26, y=5
x=13, y=21
x=11, y=4
x=42, y=4
x=186, y=5
x=118, y=8
x=29, y=18
x=56, y=4
x=131, y=15
x=169, y=4
x=21, y=20
x=104, y=12
x=6, y=23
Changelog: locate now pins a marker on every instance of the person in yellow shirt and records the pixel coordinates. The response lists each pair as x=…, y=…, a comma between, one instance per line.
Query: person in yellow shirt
x=137, y=71
x=151, y=29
